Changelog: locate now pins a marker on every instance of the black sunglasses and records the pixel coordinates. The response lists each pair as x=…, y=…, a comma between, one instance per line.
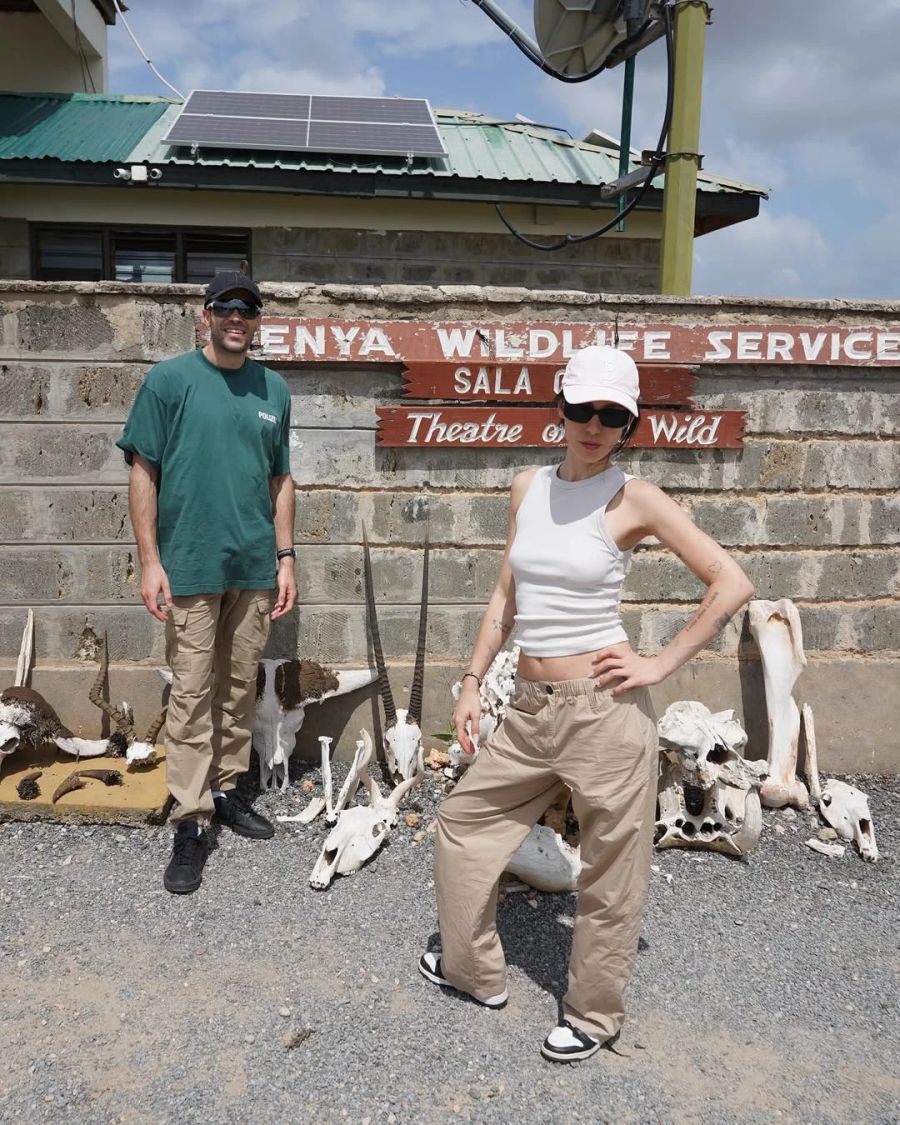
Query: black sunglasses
x=614, y=417
x=223, y=308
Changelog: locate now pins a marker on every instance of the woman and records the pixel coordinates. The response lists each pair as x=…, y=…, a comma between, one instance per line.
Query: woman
x=581, y=714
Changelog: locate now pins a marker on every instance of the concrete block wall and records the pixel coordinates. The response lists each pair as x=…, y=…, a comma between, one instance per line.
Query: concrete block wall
x=810, y=505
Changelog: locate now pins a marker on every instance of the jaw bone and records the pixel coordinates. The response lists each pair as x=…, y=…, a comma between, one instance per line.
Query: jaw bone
x=778, y=633
x=402, y=727
x=841, y=805
x=360, y=831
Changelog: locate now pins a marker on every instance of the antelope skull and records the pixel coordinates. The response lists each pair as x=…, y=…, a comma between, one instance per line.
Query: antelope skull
x=708, y=793
x=840, y=804
x=361, y=830
x=284, y=689
x=495, y=691
x=402, y=726
x=138, y=751
x=25, y=716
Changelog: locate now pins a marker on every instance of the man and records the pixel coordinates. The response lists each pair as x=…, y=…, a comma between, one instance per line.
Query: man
x=211, y=500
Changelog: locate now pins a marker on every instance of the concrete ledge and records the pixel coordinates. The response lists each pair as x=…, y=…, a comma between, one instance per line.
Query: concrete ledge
x=857, y=721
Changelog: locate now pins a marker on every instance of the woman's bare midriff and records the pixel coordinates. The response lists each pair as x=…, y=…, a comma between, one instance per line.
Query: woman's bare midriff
x=554, y=668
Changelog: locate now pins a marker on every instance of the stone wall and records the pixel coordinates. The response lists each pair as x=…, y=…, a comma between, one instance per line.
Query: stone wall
x=810, y=505
x=429, y=257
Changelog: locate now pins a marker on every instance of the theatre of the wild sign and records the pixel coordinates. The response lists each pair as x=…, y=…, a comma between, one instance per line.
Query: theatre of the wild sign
x=493, y=385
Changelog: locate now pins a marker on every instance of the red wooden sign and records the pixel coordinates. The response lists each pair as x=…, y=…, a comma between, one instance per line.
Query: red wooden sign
x=530, y=382
x=480, y=427
x=308, y=340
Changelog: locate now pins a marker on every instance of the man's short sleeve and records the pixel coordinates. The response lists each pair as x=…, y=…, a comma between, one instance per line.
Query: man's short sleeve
x=281, y=462
x=145, y=429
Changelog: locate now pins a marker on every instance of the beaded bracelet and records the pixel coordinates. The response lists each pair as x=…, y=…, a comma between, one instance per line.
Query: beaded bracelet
x=476, y=678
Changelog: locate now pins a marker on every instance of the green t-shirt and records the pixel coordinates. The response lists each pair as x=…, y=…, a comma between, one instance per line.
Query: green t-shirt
x=216, y=438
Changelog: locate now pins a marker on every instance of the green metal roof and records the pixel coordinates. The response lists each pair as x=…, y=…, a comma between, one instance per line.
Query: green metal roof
x=82, y=127
x=101, y=128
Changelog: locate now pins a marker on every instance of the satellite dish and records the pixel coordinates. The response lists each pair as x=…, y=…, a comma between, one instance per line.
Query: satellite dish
x=578, y=37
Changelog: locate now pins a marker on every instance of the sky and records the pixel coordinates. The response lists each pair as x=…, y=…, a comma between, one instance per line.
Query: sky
x=799, y=96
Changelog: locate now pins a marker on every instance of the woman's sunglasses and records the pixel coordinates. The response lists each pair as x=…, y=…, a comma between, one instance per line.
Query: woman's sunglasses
x=225, y=308
x=614, y=417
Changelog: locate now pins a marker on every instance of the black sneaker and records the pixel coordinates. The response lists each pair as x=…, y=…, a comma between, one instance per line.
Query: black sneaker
x=184, y=873
x=240, y=818
x=567, y=1043
x=430, y=968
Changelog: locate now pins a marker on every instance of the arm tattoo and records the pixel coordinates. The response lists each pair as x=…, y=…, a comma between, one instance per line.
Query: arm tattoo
x=722, y=621
x=707, y=604
x=715, y=567
x=501, y=626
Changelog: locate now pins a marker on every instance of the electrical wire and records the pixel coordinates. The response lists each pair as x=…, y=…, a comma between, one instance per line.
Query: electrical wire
x=659, y=159
x=141, y=52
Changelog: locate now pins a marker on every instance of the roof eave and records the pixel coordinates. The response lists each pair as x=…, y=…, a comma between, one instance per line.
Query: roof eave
x=714, y=209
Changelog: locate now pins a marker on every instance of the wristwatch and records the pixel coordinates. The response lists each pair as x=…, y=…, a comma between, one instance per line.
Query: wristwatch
x=286, y=553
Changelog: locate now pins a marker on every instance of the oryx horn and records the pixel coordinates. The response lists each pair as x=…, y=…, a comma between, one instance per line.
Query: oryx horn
x=384, y=686
x=414, y=712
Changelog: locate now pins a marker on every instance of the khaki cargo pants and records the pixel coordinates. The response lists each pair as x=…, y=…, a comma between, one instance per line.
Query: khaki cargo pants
x=604, y=748
x=213, y=646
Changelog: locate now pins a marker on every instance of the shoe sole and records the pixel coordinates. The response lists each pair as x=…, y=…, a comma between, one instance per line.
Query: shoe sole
x=569, y=1056
x=246, y=834
x=444, y=983
x=182, y=888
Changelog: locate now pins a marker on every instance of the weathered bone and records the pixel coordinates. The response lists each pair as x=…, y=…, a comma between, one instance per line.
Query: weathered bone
x=708, y=793
x=284, y=689
x=360, y=831
x=841, y=805
x=402, y=727
x=546, y=862
x=26, y=650
x=778, y=633
x=496, y=689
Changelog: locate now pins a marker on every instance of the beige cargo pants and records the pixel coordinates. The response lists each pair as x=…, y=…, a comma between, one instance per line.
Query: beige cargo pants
x=213, y=646
x=604, y=748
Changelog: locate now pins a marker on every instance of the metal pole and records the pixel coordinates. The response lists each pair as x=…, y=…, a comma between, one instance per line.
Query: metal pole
x=680, y=195
x=625, y=133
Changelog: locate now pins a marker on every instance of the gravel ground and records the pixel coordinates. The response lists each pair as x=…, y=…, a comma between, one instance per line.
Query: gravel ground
x=766, y=988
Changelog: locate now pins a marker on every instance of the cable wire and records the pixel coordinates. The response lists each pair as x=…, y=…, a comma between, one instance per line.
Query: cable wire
x=143, y=55
x=86, y=75
x=659, y=158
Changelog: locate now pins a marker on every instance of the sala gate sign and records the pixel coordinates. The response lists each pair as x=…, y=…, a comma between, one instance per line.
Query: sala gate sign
x=521, y=364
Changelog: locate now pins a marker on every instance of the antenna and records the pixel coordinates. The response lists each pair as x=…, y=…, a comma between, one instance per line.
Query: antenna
x=582, y=37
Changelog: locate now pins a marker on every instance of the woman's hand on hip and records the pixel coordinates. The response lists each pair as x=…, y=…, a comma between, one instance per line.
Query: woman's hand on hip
x=628, y=668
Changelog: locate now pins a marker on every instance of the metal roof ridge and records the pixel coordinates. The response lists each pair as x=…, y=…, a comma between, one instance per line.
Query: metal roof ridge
x=63, y=96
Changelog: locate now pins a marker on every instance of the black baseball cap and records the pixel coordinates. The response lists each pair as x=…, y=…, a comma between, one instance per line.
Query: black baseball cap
x=232, y=281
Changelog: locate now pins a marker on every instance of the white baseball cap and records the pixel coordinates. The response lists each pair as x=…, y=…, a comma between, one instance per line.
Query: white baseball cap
x=600, y=373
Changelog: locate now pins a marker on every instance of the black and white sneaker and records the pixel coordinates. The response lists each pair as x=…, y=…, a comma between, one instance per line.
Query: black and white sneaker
x=430, y=968
x=567, y=1043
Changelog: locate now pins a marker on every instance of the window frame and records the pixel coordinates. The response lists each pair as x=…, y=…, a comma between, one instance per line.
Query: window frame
x=107, y=232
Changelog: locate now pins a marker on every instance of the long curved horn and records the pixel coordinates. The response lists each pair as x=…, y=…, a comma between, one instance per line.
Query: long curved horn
x=95, y=695
x=414, y=711
x=404, y=787
x=155, y=727
x=384, y=686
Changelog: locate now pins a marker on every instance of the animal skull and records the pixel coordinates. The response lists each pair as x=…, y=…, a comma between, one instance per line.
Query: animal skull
x=138, y=751
x=402, y=727
x=708, y=793
x=284, y=689
x=545, y=861
x=360, y=831
x=495, y=691
x=841, y=805
x=776, y=627
x=25, y=716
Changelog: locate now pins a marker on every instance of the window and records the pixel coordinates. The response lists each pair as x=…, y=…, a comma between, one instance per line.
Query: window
x=71, y=252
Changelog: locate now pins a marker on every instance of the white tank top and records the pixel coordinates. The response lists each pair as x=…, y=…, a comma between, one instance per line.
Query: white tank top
x=567, y=567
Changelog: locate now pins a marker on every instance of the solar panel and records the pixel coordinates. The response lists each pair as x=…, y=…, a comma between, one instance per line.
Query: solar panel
x=303, y=122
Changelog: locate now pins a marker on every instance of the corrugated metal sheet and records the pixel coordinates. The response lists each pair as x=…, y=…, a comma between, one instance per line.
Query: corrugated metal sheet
x=97, y=128
x=82, y=127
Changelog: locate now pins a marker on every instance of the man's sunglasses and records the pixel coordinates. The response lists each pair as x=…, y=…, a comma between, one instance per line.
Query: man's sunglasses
x=615, y=417
x=224, y=308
